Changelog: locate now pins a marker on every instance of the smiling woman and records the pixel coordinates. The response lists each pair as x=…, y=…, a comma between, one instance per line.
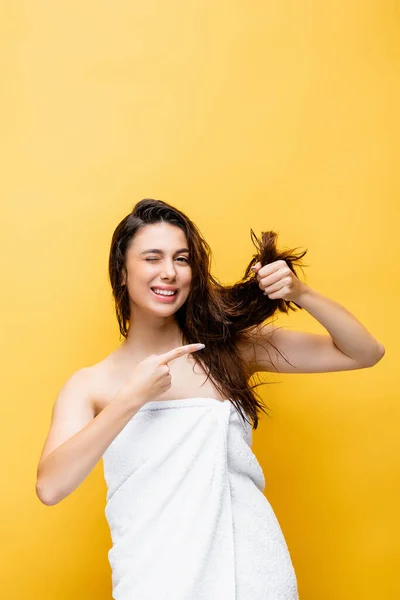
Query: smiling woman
x=173, y=419
x=165, y=296
x=158, y=247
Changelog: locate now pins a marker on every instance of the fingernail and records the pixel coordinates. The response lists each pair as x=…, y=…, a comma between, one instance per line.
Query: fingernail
x=201, y=345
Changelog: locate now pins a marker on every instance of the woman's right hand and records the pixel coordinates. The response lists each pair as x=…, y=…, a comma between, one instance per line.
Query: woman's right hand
x=151, y=377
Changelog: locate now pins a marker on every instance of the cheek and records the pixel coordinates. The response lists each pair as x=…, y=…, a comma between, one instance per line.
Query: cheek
x=140, y=278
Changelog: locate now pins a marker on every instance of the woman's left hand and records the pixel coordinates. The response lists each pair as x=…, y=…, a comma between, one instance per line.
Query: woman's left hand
x=276, y=280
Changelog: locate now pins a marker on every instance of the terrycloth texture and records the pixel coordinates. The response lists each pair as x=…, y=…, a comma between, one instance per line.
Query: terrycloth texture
x=187, y=515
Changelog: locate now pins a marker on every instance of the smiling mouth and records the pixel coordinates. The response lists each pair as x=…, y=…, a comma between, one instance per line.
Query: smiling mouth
x=165, y=295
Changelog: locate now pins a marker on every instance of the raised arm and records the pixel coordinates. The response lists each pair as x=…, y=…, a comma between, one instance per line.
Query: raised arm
x=348, y=344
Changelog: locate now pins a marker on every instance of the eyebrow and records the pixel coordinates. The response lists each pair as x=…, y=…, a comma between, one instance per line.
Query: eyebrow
x=158, y=251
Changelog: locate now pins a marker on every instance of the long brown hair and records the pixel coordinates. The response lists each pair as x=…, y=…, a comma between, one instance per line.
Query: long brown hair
x=219, y=316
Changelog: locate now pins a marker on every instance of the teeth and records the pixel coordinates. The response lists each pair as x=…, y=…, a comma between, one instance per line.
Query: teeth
x=164, y=292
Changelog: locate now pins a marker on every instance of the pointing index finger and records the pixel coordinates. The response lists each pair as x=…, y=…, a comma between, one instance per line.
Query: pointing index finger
x=179, y=351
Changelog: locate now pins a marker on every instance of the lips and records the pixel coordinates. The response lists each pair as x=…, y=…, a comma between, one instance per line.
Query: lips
x=165, y=290
x=165, y=297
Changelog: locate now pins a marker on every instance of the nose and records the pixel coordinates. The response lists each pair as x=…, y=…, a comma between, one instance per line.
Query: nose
x=168, y=270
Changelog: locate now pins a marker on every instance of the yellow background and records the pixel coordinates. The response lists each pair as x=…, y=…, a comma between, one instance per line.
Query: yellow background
x=270, y=115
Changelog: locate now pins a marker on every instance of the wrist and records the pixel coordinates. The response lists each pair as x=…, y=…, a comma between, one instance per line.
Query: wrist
x=130, y=400
x=305, y=293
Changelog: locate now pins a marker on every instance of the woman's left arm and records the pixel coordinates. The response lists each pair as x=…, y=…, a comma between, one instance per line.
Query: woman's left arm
x=348, y=335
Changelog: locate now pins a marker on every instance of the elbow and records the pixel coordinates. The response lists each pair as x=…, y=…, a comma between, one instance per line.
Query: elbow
x=377, y=356
x=381, y=353
x=44, y=494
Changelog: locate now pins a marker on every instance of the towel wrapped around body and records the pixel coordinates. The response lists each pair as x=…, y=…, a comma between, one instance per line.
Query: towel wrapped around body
x=186, y=509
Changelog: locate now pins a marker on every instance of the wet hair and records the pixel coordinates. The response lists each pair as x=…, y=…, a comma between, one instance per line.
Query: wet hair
x=220, y=316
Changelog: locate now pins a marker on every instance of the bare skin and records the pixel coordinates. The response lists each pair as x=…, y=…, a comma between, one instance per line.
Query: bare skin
x=153, y=327
x=96, y=402
x=187, y=380
x=78, y=438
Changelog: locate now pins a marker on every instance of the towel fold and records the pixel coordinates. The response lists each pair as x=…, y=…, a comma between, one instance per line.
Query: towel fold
x=186, y=509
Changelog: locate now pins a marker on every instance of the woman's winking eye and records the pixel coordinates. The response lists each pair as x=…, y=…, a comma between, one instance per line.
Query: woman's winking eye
x=152, y=259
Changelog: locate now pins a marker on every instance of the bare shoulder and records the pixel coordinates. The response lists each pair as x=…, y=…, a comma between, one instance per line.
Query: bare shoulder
x=77, y=403
x=104, y=379
x=72, y=410
x=93, y=382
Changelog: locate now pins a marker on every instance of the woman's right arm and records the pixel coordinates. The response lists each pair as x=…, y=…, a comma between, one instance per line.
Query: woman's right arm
x=77, y=439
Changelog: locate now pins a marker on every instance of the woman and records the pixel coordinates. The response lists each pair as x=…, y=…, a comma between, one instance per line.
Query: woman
x=173, y=420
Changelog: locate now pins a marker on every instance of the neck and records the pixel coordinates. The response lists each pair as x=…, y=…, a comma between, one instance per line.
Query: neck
x=152, y=335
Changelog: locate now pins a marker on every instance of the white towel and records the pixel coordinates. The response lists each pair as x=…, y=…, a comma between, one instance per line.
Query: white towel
x=186, y=509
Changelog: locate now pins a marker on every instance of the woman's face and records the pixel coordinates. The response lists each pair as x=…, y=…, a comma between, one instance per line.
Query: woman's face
x=158, y=258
